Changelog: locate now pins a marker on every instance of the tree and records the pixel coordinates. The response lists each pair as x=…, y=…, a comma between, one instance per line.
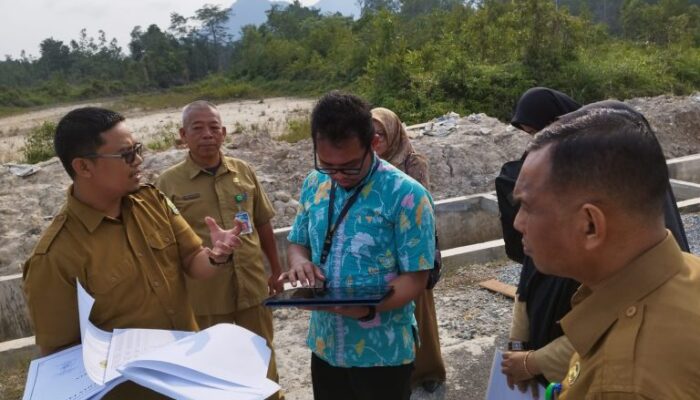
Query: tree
x=412, y=8
x=159, y=53
x=213, y=19
x=373, y=6
x=55, y=56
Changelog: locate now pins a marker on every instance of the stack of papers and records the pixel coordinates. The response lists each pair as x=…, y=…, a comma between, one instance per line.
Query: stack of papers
x=221, y=362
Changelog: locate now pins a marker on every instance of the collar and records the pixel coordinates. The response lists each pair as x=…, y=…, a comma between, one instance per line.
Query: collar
x=193, y=170
x=595, y=310
x=88, y=216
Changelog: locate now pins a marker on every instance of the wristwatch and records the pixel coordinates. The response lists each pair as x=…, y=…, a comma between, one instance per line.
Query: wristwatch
x=370, y=314
x=516, y=345
x=218, y=264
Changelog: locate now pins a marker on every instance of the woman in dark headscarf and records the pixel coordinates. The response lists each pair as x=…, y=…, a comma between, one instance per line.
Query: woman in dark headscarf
x=393, y=145
x=541, y=351
x=541, y=300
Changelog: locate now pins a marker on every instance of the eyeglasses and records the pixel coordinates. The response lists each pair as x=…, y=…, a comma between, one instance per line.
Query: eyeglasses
x=129, y=156
x=344, y=171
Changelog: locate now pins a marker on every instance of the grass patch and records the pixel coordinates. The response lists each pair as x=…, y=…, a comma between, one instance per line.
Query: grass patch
x=12, y=380
x=214, y=89
x=10, y=111
x=166, y=136
x=297, y=129
x=38, y=145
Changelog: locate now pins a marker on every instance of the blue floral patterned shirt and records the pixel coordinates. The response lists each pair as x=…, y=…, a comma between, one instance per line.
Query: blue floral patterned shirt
x=390, y=229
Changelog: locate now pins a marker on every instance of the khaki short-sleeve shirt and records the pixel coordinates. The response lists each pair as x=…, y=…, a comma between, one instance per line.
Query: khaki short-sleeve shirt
x=637, y=335
x=233, y=190
x=132, y=266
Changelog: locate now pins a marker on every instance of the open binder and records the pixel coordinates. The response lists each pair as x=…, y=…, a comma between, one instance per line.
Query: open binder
x=224, y=361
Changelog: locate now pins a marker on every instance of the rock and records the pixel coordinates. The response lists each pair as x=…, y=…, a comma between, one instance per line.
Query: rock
x=279, y=205
x=282, y=196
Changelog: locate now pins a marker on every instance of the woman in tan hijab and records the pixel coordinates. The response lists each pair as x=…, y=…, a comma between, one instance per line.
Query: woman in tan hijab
x=393, y=145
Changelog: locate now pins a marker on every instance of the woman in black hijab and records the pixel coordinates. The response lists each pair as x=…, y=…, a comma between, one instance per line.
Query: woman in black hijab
x=540, y=351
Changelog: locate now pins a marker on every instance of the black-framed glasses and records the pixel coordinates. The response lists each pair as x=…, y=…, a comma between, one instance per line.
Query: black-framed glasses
x=344, y=171
x=129, y=156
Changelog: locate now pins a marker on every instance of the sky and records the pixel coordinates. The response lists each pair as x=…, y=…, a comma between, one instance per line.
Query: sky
x=25, y=23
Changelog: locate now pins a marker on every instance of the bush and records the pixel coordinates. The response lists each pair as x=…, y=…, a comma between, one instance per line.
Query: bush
x=297, y=129
x=38, y=145
x=166, y=137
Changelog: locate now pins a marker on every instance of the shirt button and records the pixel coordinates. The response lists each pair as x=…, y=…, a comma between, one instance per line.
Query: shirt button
x=171, y=311
x=631, y=310
x=156, y=284
x=139, y=254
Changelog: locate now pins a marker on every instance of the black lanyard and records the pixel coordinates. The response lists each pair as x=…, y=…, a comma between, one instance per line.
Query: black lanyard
x=333, y=226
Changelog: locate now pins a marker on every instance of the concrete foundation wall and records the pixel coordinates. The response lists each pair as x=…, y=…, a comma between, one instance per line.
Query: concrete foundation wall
x=685, y=168
x=14, y=321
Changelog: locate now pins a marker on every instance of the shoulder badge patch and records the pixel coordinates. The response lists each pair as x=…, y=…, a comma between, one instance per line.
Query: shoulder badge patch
x=574, y=372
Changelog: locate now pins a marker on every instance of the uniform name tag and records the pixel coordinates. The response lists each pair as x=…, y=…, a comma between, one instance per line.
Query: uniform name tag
x=244, y=218
x=191, y=196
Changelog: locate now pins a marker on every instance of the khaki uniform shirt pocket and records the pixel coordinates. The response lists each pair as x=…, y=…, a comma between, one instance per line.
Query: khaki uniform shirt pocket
x=162, y=244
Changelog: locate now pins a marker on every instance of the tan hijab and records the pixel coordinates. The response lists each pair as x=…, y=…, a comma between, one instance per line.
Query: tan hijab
x=399, y=150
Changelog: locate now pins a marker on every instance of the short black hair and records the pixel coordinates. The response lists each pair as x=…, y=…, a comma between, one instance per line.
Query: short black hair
x=609, y=148
x=341, y=116
x=78, y=133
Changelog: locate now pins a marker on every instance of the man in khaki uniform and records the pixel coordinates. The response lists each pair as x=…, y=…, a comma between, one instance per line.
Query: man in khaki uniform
x=125, y=243
x=591, y=193
x=208, y=182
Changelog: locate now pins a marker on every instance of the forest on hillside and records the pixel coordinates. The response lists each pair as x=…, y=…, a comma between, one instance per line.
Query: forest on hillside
x=419, y=57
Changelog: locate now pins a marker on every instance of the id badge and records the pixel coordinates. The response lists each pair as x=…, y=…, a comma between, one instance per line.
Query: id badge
x=244, y=218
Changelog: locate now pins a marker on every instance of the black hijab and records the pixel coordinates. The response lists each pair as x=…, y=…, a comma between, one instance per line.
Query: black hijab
x=540, y=106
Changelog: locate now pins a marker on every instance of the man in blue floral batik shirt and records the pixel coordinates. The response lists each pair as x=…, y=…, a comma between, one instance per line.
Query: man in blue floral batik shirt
x=381, y=231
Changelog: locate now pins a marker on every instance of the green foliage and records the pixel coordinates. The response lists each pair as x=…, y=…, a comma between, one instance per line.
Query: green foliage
x=421, y=58
x=38, y=145
x=165, y=137
x=297, y=129
x=215, y=88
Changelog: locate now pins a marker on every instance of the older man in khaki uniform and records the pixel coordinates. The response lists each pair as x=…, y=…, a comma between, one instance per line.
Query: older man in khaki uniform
x=591, y=193
x=125, y=243
x=208, y=182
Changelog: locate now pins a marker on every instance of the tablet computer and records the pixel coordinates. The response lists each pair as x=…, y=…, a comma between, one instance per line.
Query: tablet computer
x=340, y=296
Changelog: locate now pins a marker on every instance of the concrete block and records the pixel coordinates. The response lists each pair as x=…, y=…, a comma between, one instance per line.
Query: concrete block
x=685, y=168
x=684, y=190
x=689, y=206
x=466, y=220
x=17, y=353
x=14, y=316
x=479, y=253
